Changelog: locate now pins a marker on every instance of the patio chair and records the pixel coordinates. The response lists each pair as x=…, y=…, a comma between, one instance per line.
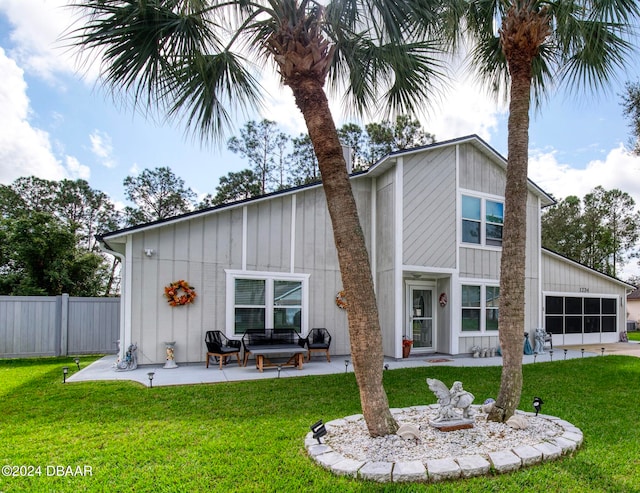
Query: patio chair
x=318, y=340
x=221, y=347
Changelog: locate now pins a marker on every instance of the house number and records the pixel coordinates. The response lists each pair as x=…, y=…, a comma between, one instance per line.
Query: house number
x=584, y=290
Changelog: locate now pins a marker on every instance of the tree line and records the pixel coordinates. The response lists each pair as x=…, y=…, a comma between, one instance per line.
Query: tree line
x=600, y=230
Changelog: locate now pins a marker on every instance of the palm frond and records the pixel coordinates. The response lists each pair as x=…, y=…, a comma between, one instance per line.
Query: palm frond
x=590, y=40
x=596, y=55
x=206, y=87
x=138, y=41
x=386, y=55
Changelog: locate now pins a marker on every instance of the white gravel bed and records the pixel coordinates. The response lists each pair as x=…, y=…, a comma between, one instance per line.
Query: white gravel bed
x=350, y=438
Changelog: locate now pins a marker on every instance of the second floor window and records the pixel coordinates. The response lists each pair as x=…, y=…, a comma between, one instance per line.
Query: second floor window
x=482, y=221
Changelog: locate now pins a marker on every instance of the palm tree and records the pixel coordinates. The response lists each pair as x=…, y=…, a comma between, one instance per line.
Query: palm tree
x=193, y=59
x=539, y=42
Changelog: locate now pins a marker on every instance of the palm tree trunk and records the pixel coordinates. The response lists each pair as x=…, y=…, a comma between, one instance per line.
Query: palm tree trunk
x=364, y=326
x=523, y=31
x=512, y=266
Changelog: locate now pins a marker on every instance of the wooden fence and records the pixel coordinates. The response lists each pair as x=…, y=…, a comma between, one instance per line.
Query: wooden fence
x=57, y=325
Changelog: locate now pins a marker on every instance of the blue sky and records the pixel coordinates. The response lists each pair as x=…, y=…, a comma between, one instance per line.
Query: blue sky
x=57, y=122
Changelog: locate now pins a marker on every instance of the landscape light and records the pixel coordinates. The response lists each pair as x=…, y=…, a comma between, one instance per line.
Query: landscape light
x=318, y=430
x=150, y=375
x=279, y=370
x=602, y=353
x=537, y=404
x=386, y=366
x=346, y=365
x=535, y=355
x=565, y=353
x=582, y=352
x=65, y=370
x=77, y=360
x=551, y=354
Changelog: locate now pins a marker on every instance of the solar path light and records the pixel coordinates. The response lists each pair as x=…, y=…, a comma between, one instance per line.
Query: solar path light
x=318, y=430
x=537, y=404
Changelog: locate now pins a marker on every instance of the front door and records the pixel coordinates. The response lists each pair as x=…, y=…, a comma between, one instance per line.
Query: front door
x=420, y=318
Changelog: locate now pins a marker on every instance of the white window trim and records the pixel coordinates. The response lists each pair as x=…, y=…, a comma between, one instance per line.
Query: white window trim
x=483, y=307
x=232, y=275
x=483, y=219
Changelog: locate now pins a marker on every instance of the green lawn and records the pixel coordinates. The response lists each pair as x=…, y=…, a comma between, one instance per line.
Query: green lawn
x=634, y=336
x=248, y=436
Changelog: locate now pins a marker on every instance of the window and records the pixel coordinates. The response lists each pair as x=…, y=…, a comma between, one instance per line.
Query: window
x=471, y=219
x=576, y=315
x=480, y=308
x=471, y=308
x=287, y=304
x=494, y=217
x=250, y=305
x=259, y=302
x=491, y=310
x=482, y=221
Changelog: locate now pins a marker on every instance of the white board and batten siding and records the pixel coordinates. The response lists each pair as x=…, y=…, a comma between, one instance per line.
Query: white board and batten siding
x=198, y=251
x=409, y=207
x=291, y=233
x=385, y=258
x=480, y=174
x=315, y=254
x=429, y=209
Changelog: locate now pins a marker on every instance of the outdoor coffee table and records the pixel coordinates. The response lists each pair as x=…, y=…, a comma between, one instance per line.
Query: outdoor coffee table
x=261, y=353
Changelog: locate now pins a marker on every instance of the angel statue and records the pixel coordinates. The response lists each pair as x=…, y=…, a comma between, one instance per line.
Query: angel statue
x=130, y=361
x=450, y=399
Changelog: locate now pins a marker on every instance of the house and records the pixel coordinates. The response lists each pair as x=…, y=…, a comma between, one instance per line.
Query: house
x=633, y=309
x=432, y=217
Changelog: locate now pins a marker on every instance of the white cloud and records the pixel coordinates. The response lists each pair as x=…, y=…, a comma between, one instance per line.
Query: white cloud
x=36, y=35
x=134, y=169
x=102, y=148
x=26, y=150
x=280, y=106
x=619, y=170
x=77, y=170
x=464, y=109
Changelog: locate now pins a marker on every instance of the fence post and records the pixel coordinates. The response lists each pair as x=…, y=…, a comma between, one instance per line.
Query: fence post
x=64, y=325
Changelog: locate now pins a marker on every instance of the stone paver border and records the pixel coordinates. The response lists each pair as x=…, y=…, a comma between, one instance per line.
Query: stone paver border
x=435, y=470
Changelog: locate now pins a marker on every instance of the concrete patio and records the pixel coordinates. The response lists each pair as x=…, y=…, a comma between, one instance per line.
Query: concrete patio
x=196, y=373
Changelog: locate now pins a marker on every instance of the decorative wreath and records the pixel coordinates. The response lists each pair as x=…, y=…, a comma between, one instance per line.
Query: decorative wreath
x=179, y=293
x=341, y=300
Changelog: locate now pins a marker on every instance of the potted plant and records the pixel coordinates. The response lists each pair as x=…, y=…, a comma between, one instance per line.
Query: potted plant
x=406, y=346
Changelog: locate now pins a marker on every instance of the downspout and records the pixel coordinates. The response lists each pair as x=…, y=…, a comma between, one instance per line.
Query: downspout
x=122, y=343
